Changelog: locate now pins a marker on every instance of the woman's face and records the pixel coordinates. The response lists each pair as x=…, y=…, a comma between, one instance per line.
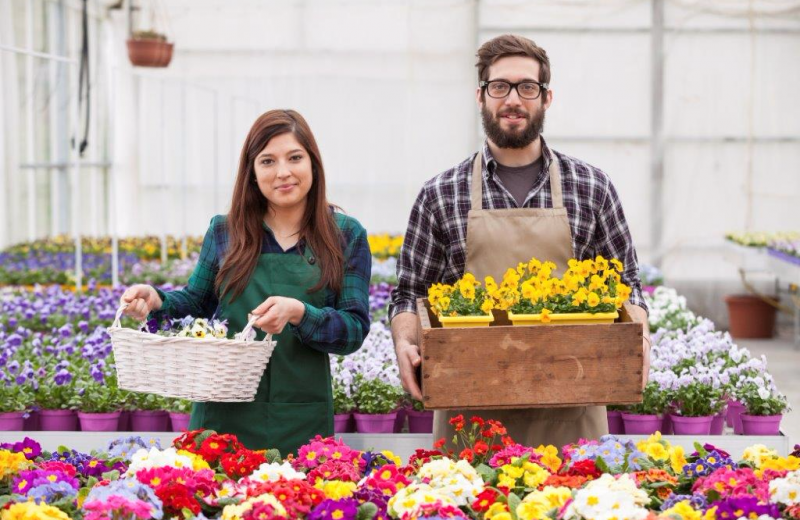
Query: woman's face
x=283, y=172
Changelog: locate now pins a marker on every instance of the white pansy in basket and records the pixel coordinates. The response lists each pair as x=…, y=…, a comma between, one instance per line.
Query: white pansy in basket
x=271, y=472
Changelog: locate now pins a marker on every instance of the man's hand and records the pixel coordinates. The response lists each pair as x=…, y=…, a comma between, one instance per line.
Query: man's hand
x=407, y=361
x=276, y=312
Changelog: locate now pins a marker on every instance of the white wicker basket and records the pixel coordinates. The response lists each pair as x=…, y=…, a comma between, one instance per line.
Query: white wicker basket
x=207, y=369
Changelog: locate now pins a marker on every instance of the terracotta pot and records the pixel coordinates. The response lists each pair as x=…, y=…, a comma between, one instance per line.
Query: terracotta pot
x=149, y=53
x=750, y=316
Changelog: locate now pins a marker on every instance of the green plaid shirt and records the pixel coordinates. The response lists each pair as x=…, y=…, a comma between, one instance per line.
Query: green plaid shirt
x=337, y=328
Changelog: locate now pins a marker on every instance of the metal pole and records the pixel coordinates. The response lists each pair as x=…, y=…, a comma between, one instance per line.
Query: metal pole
x=163, y=186
x=29, y=148
x=215, y=162
x=657, y=132
x=111, y=187
x=183, y=182
x=75, y=203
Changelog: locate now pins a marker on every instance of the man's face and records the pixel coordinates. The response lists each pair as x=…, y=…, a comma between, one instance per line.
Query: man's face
x=512, y=121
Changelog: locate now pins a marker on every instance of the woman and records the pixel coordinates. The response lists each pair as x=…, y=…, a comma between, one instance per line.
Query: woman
x=283, y=254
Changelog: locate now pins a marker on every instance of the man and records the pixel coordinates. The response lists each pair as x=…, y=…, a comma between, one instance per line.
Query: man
x=513, y=200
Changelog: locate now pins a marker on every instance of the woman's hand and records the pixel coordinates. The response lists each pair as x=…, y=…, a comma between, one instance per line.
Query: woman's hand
x=141, y=300
x=276, y=312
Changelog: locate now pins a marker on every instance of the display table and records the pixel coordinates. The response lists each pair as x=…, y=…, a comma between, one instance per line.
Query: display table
x=401, y=444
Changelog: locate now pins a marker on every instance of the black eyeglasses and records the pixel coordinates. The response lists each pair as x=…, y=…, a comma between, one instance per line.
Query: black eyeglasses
x=499, y=89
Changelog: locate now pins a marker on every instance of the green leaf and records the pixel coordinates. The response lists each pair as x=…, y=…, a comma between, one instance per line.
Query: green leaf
x=111, y=475
x=513, y=502
x=273, y=455
x=601, y=465
x=700, y=450
x=367, y=511
x=488, y=474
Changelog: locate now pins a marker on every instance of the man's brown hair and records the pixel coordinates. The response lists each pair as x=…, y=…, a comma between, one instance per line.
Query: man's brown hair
x=511, y=45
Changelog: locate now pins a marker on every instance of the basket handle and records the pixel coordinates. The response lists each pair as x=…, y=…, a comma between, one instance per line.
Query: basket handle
x=247, y=328
x=118, y=317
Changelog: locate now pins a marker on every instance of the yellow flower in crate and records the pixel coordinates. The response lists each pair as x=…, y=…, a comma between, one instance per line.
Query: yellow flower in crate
x=466, y=300
x=490, y=284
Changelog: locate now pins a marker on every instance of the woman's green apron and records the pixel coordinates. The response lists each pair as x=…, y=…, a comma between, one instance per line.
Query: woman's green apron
x=294, y=401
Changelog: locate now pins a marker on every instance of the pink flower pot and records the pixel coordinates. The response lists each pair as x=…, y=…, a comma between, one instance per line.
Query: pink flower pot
x=12, y=421
x=99, y=422
x=149, y=421
x=736, y=409
x=343, y=423
x=666, y=424
x=400, y=420
x=124, y=421
x=58, y=420
x=375, y=423
x=718, y=423
x=691, y=425
x=761, y=424
x=179, y=421
x=420, y=422
x=615, y=424
x=636, y=424
x=729, y=412
x=32, y=422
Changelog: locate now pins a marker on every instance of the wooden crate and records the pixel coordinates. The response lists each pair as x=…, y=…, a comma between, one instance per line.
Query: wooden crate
x=505, y=366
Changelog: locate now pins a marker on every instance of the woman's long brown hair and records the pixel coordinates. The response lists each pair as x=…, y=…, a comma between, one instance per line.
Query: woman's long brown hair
x=249, y=206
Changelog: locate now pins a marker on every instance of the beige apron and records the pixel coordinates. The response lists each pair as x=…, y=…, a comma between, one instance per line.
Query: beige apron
x=499, y=239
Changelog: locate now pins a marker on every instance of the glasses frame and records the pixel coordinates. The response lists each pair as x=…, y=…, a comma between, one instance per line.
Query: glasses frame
x=513, y=86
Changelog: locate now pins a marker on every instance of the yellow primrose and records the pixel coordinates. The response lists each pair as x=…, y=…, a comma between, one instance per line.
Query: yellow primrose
x=758, y=453
x=683, y=511
x=336, y=489
x=33, y=511
x=677, y=458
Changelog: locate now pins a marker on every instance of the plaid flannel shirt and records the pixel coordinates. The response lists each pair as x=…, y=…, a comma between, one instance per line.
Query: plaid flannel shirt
x=339, y=327
x=435, y=245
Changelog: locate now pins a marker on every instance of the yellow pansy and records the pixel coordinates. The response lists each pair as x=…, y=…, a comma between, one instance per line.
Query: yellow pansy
x=593, y=300
x=677, y=458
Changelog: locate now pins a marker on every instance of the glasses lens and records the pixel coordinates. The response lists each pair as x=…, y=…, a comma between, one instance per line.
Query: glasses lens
x=498, y=89
x=528, y=90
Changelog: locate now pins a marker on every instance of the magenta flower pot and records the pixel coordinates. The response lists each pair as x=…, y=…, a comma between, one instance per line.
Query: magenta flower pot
x=32, y=423
x=736, y=409
x=179, y=421
x=666, y=424
x=718, y=423
x=691, y=425
x=636, y=424
x=12, y=421
x=124, y=421
x=58, y=420
x=729, y=412
x=400, y=420
x=99, y=422
x=149, y=421
x=615, y=424
x=420, y=422
x=343, y=423
x=375, y=423
x=761, y=424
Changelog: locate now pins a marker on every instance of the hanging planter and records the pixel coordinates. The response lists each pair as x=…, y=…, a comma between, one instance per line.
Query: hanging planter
x=149, y=49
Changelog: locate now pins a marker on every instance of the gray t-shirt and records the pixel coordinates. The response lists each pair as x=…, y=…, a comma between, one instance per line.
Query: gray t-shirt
x=519, y=180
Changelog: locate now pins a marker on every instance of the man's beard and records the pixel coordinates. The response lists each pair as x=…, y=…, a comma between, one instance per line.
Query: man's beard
x=515, y=138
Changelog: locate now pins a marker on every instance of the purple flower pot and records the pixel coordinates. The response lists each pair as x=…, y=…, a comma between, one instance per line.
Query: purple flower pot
x=729, y=412
x=615, y=424
x=400, y=420
x=420, y=422
x=12, y=421
x=124, y=421
x=58, y=420
x=761, y=424
x=32, y=422
x=343, y=423
x=99, y=422
x=736, y=409
x=375, y=423
x=691, y=425
x=718, y=423
x=636, y=424
x=180, y=421
x=666, y=424
x=149, y=421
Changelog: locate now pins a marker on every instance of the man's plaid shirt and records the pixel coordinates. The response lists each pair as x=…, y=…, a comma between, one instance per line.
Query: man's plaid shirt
x=435, y=245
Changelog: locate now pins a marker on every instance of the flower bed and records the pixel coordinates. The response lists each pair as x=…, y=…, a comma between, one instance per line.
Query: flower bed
x=488, y=476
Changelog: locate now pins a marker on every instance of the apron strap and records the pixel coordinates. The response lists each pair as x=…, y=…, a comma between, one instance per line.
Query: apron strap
x=476, y=188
